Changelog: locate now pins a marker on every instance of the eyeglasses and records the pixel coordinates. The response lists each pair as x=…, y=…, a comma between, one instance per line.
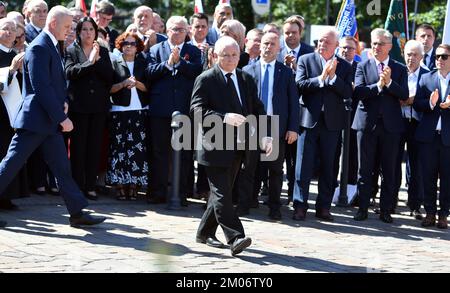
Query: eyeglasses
x=178, y=30
x=133, y=44
x=443, y=56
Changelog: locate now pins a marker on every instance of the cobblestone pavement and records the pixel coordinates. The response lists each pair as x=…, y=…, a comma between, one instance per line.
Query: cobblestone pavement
x=138, y=237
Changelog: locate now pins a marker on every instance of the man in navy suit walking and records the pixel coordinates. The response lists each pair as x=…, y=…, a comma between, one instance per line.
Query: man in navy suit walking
x=433, y=134
x=43, y=116
x=380, y=84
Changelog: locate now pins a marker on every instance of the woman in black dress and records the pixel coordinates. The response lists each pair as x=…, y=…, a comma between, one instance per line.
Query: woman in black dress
x=89, y=71
x=127, y=162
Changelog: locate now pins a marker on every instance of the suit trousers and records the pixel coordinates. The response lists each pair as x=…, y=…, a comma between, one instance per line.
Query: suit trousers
x=54, y=152
x=371, y=144
x=435, y=162
x=291, y=159
x=312, y=142
x=85, y=147
x=220, y=210
x=414, y=176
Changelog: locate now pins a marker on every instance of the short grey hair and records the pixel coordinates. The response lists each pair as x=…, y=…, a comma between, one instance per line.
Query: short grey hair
x=237, y=28
x=224, y=42
x=142, y=7
x=34, y=3
x=413, y=44
x=176, y=19
x=330, y=30
x=379, y=32
x=5, y=20
x=57, y=12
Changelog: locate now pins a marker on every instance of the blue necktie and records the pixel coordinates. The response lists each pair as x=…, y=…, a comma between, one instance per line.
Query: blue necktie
x=265, y=88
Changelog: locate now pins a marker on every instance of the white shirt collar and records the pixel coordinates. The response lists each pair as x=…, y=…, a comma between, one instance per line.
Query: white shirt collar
x=52, y=37
x=5, y=49
x=173, y=46
x=415, y=73
x=263, y=63
x=295, y=49
x=36, y=27
x=195, y=43
x=226, y=72
x=385, y=62
x=446, y=78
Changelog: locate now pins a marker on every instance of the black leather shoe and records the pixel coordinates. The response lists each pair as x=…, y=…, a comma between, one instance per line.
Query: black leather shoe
x=275, y=215
x=3, y=224
x=386, y=217
x=7, y=205
x=85, y=219
x=361, y=215
x=211, y=241
x=324, y=214
x=299, y=214
x=416, y=214
x=239, y=244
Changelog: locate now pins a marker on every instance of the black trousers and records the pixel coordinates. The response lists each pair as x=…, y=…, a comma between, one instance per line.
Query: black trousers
x=220, y=209
x=371, y=143
x=290, y=156
x=435, y=162
x=161, y=159
x=85, y=147
x=415, y=182
x=244, y=183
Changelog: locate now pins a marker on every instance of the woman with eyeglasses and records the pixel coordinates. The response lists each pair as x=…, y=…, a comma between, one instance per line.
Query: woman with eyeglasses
x=19, y=43
x=11, y=62
x=127, y=160
x=90, y=74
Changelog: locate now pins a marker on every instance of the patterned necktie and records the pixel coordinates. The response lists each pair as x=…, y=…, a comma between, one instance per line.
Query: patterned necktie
x=380, y=68
x=265, y=88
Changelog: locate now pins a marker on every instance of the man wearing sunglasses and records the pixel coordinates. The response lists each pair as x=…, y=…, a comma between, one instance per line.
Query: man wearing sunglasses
x=380, y=84
x=433, y=134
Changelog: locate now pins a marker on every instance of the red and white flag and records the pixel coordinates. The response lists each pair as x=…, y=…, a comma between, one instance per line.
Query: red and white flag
x=93, y=12
x=198, y=6
x=82, y=5
x=224, y=1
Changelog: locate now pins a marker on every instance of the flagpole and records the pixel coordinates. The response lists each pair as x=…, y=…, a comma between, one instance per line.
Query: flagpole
x=416, y=5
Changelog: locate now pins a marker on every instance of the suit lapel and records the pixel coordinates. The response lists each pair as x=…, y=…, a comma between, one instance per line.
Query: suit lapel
x=318, y=61
x=276, y=81
x=257, y=75
x=242, y=92
x=165, y=50
x=55, y=54
x=373, y=69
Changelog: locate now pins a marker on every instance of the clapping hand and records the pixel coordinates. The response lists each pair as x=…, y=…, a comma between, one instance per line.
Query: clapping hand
x=267, y=145
x=289, y=61
x=434, y=97
x=95, y=53
x=385, y=76
x=174, y=57
x=446, y=104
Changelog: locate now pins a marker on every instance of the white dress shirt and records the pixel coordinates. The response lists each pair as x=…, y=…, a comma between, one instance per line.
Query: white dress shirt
x=408, y=111
x=234, y=79
x=271, y=80
x=443, y=82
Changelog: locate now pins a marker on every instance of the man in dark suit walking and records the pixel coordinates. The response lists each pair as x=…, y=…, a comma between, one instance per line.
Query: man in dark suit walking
x=433, y=134
x=173, y=67
x=277, y=91
x=324, y=81
x=380, y=84
x=44, y=114
x=225, y=94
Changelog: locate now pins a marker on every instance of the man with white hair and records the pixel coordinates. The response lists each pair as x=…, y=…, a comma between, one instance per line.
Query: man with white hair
x=222, y=12
x=43, y=116
x=380, y=83
x=414, y=52
x=324, y=81
x=37, y=12
x=173, y=67
x=230, y=95
x=143, y=19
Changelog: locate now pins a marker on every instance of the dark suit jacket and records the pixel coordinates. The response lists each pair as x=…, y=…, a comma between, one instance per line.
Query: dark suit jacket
x=432, y=62
x=427, y=126
x=44, y=89
x=168, y=92
x=331, y=97
x=374, y=105
x=212, y=36
x=122, y=72
x=30, y=33
x=210, y=97
x=89, y=84
x=285, y=95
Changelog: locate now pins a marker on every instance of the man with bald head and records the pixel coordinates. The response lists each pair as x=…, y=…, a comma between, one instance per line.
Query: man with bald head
x=43, y=116
x=324, y=82
x=228, y=94
x=222, y=12
x=277, y=91
x=143, y=19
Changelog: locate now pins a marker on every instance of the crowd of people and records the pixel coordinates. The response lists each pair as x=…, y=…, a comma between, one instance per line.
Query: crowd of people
x=124, y=87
